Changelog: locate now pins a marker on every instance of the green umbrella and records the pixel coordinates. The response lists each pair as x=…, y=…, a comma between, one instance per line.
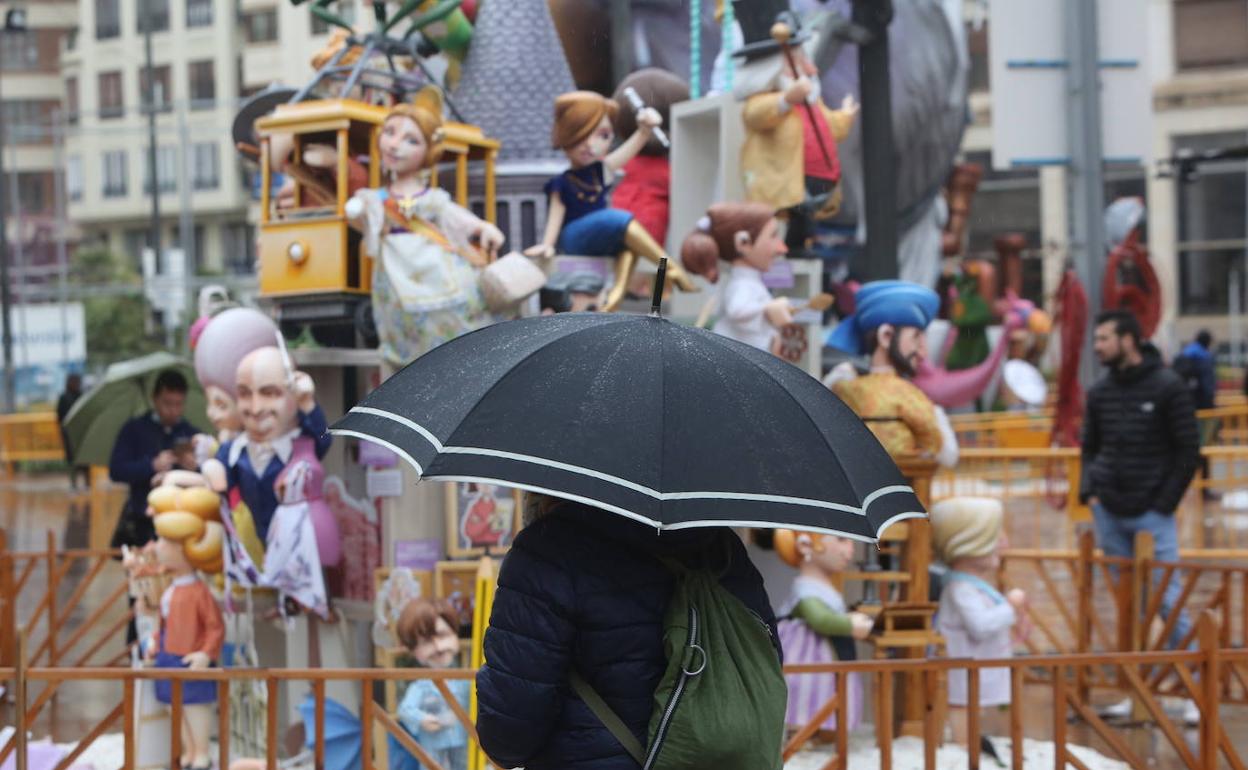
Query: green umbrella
x=124, y=392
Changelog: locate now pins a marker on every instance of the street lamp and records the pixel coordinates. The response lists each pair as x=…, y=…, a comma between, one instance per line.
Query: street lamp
x=14, y=22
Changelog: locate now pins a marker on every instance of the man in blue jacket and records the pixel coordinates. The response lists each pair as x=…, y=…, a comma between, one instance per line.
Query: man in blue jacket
x=144, y=449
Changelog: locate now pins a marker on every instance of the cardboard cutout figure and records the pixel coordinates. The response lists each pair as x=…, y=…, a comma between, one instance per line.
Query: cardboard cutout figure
x=427, y=628
x=975, y=618
x=578, y=219
x=276, y=470
x=816, y=626
x=425, y=279
x=191, y=630
x=789, y=157
x=747, y=236
x=889, y=327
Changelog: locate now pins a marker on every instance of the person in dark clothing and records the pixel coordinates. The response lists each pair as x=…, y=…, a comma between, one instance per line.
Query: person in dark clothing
x=1197, y=358
x=145, y=448
x=73, y=390
x=1140, y=450
x=1195, y=364
x=583, y=589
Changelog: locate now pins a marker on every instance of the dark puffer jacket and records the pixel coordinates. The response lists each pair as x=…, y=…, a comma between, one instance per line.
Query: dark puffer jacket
x=1141, y=446
x=582, y=588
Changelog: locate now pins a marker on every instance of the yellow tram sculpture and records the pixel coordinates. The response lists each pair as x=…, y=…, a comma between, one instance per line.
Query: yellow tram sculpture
x=310, y=249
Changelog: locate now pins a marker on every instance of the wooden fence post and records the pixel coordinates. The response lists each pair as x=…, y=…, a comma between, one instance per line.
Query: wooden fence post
x=19, y=700
x=1210, y=685
x=53, y=587
x=1085, y=587
x=1141, y=588
x=8, y=605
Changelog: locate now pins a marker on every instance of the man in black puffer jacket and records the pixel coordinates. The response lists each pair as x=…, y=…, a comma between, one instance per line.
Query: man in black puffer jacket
x=1141, y=448
x=581, y=588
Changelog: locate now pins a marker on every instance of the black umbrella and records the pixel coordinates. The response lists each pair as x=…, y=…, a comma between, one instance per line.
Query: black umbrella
x=669, y=425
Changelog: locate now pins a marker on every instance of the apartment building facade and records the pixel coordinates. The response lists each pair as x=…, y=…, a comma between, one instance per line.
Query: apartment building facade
x=30, y=94
x=1197, y=230
x=196, y=47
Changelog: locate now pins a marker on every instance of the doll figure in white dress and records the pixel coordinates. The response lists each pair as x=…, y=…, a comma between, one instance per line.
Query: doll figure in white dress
x=425, y=278
x=747, y=236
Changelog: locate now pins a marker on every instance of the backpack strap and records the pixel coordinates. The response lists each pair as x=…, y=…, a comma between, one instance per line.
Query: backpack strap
x=608, y=717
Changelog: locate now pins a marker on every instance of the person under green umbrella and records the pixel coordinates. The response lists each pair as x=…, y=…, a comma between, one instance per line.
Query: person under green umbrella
x=147, y=446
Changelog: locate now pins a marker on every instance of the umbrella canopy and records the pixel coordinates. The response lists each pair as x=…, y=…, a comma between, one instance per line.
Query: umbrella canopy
x=125, y=391
x=669, y=425
x=342, y=733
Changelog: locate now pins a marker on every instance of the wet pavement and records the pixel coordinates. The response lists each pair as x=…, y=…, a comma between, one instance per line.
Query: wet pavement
x=30, y=506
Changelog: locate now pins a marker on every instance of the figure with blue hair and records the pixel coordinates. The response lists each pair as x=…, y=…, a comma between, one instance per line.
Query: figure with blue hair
x=889, y=327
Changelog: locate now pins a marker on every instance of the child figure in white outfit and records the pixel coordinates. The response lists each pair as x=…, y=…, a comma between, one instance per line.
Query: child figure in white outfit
x=975, y=618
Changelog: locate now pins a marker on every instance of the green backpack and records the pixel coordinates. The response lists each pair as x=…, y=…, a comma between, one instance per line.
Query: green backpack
x=721, y=701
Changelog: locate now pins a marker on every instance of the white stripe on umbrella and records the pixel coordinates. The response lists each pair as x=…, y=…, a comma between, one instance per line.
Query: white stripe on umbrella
x=625, y=483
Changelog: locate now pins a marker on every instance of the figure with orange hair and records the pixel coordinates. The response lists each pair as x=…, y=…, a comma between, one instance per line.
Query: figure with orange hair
x=578, y=219
x=192, y=631
x=425, y=279
x=816, y=627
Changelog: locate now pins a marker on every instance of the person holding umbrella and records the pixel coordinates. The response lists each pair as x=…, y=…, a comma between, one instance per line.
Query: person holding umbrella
x=145, y=449
x=588, y=632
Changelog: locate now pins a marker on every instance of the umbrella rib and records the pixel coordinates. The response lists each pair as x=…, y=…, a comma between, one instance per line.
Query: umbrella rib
x=659, y=524
x=590, y=472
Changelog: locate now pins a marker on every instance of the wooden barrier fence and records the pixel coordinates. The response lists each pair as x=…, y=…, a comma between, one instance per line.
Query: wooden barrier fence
x=1030, y=430
x=1072, y=615
x=1203, y=674
x=64, y=638
x=31, y=436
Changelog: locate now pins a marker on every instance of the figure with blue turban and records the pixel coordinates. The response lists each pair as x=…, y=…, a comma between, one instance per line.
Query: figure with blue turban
x=888, y=327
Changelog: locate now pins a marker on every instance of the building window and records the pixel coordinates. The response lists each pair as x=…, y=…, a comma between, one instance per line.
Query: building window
x=107, y=19
x=73, y=177
x=343, y=9
x=260, y=26
x=153, y=12
x=203, y=80
x=163, y=92
x=166, y=167
x=1210, y=33
x=205, y=166
x=71, y=101
x=111, y=102
x=199, y=13
x=27, y=121
x=20, y=51
x=115, y=175
x=239, y=247
x=977, y=48
x=134, y=241
x=1212, y=224
x=33, y=192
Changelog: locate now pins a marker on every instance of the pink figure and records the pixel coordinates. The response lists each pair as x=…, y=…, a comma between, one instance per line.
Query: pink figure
x=303, y=481
x=357, y=523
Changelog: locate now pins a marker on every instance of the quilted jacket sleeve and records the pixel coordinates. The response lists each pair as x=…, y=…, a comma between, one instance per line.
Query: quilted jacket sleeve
x=527, y=651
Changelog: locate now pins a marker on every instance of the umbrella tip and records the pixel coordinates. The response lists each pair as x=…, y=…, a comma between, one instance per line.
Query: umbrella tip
x=656, y=301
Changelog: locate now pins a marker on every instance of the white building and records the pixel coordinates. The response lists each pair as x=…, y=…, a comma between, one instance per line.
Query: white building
x=196, y=91
x=30, y=87
x=1197, y=232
